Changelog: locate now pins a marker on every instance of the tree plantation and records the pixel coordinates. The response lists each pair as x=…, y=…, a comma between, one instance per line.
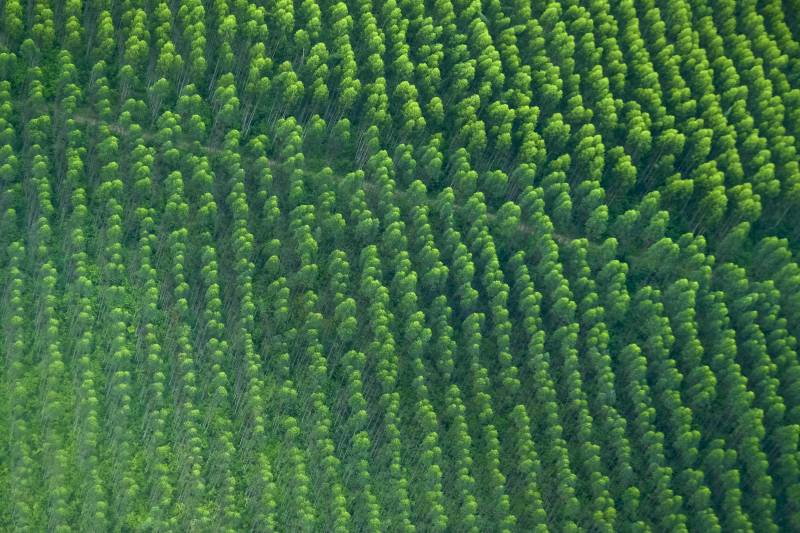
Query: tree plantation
x=400, y=265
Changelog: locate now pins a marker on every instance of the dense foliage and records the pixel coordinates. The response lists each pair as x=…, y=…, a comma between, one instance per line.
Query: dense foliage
x=400, y=265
